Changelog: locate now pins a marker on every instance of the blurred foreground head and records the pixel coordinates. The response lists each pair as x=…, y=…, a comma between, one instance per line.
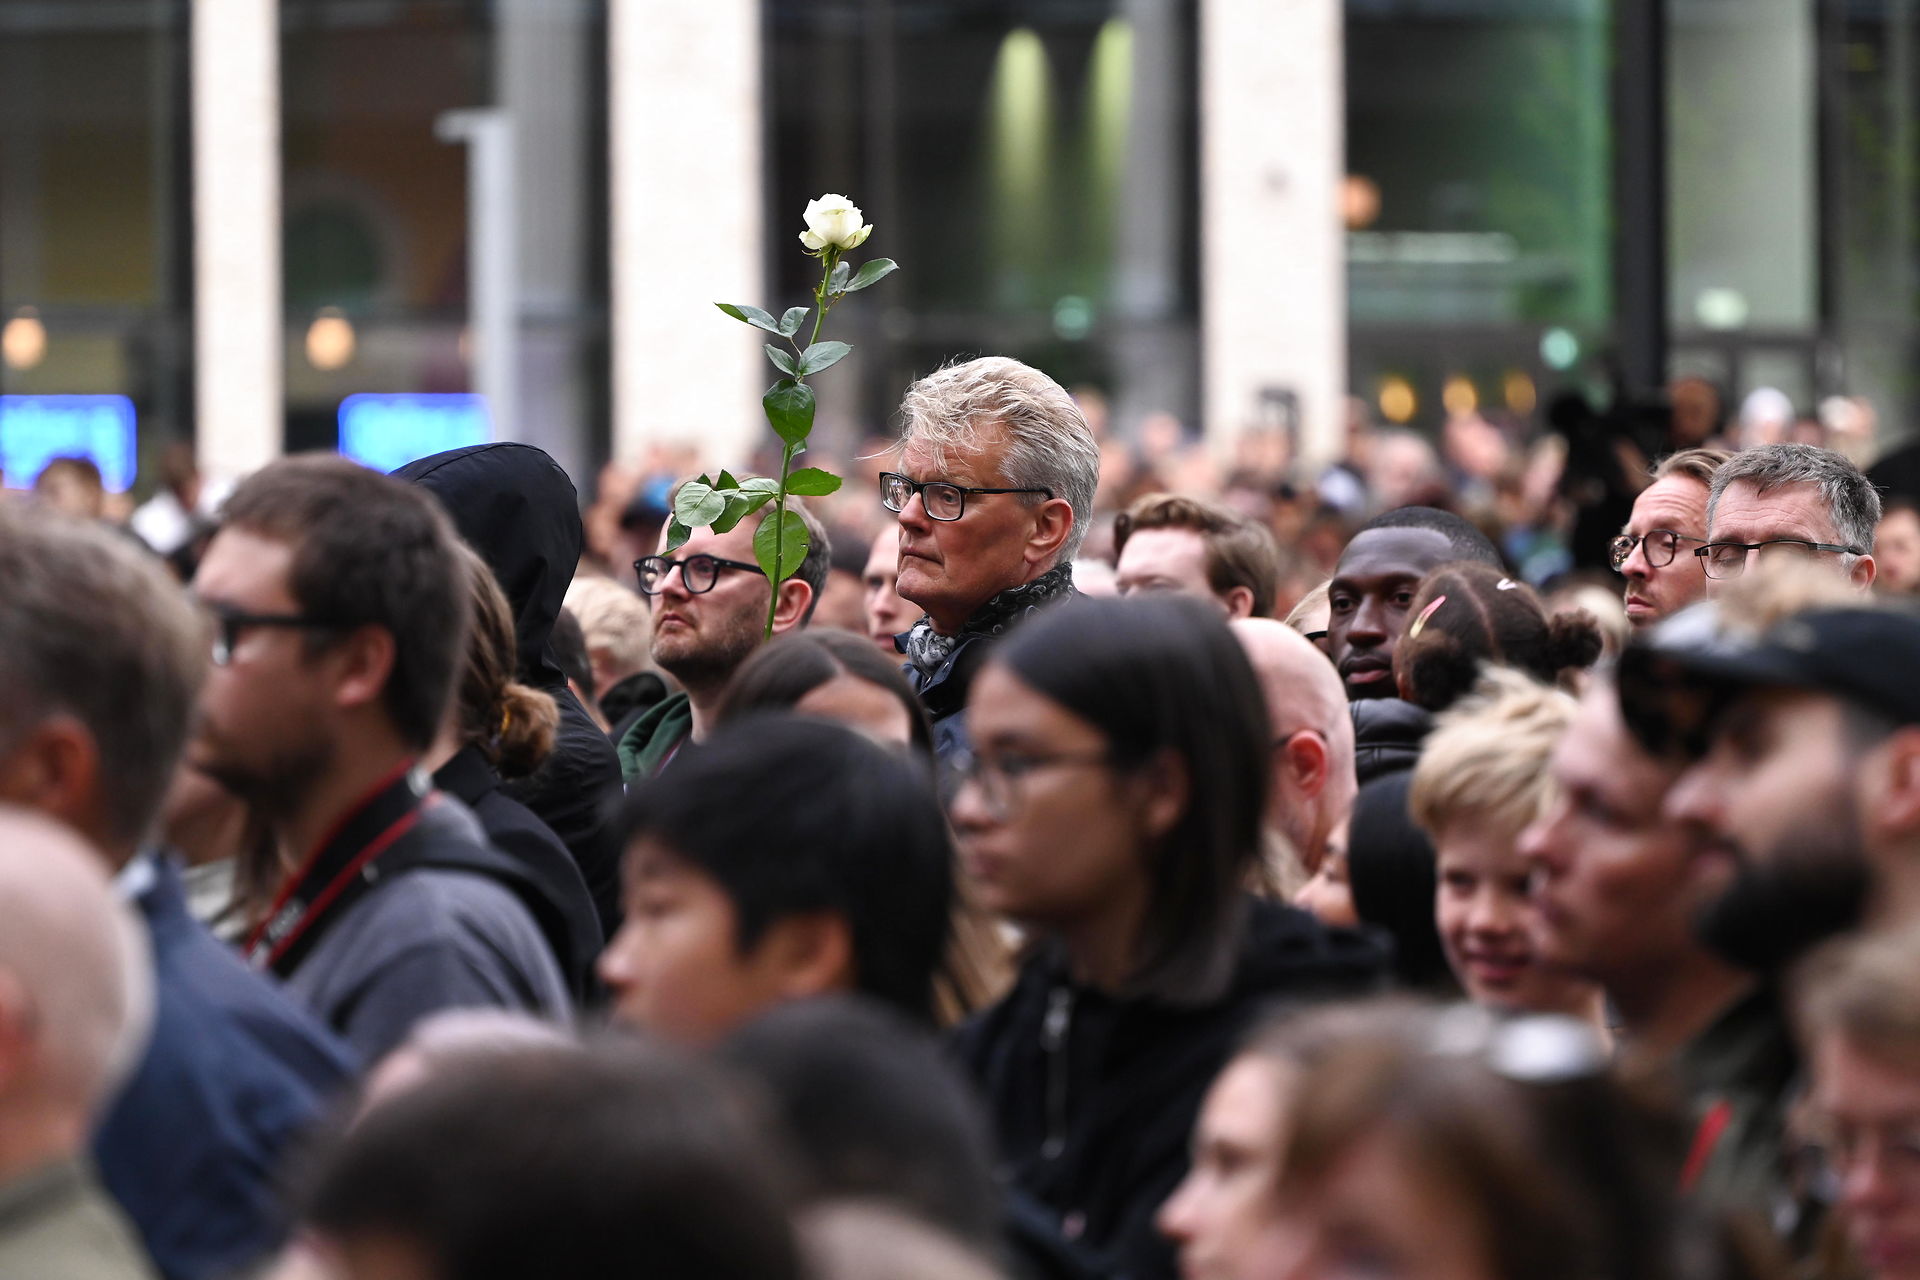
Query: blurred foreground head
x=102, y=657
x=1456, y=1146
x=556, y=1162
x=1858, y=1006
x=1798, y=728
x=76, y=993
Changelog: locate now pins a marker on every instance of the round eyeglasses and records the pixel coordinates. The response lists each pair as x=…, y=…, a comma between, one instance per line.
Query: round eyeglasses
x=1659, y=546
x=1725, y=560
x=697, y=573
x=942, y=501
x=1001, y=777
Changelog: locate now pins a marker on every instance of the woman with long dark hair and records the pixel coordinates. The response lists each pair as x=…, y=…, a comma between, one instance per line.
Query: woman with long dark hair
x=1112, y=808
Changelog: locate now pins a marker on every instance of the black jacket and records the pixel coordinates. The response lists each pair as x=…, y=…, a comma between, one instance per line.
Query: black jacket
x=944, y=693
x=513, y=830
x=1094, y=1099
x=515, y=506
x=1387, y=735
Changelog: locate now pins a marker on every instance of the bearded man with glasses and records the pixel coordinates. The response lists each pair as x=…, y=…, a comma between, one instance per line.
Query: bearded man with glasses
x=993, y=492
x=1654, y=552
x=709, y=601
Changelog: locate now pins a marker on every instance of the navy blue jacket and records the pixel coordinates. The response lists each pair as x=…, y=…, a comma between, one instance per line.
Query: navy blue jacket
x=234, y=1073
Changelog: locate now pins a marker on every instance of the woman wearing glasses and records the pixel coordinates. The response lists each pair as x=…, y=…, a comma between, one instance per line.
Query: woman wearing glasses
x=1111, y=806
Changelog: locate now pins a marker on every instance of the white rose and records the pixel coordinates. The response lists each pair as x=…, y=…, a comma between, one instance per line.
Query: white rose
x=834, y=220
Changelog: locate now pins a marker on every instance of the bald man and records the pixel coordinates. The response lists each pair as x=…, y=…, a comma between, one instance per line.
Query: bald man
x=76, y=1000
x=1312, y=757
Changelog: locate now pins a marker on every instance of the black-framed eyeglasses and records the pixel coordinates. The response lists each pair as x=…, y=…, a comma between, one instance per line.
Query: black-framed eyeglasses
x=1659, y=546
x=1002, y=776
x=697, y=573
x=229, y=623
x=943, y=501
x=1724, y=560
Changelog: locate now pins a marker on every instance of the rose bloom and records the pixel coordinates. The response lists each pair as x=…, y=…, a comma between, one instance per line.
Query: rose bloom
x=834, y=221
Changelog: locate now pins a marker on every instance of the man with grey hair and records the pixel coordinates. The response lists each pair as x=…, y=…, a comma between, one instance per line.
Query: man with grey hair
x=103, y=656
x=994, y=495
x=1782, y=503
x=76, y=999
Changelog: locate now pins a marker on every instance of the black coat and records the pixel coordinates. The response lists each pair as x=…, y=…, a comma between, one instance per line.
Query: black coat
x=1094, y=1116
x=944, y=693
x=1387, y=736
x=515, y=506
x=512, y=829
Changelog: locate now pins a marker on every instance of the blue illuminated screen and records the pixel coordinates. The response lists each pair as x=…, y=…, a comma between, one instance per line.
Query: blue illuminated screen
x=387, y=432
x=34, y=430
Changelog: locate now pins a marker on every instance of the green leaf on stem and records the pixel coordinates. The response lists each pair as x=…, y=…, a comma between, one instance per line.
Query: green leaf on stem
x=783, y=361
x=873, y=273
x=812, y=482
x=760, y=485
x=789, y=407
x=837, y=282
x=677, y=534
x=726, y=481
x=736, y=511
x=821, y=355
x=790, y=323
x=789, y=535
x=752, y=315
x=697, y=505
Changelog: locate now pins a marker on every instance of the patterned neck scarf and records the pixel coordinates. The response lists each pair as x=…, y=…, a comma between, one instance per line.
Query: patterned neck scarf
x=928, y=651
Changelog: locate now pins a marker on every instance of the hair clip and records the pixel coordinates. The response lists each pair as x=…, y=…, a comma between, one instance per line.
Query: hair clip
x=1419, y=623
x=1506, y=584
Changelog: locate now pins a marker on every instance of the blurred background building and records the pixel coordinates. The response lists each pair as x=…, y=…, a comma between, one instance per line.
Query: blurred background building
x=394, y=224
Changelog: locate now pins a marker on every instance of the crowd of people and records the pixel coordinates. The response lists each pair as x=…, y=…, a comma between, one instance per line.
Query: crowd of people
x=1061, y=875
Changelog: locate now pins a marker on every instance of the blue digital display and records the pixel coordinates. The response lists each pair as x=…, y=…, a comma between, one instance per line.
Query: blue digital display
x=387, y=432
x=34, y=430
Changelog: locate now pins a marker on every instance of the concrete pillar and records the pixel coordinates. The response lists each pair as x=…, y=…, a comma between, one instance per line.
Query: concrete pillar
x=687, y=175
x=542, y=68
x=239, y=399
x=1273, y=255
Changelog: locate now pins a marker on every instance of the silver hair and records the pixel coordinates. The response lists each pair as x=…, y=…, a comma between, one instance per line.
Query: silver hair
x=1852, y=502
x=1049, y=445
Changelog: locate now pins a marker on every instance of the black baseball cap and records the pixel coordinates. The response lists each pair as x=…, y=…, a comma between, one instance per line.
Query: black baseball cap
x=1677, y=681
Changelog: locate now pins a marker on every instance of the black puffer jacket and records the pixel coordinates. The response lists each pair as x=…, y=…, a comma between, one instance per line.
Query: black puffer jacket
x=515, y=506
x=1093, y=1099
x=1387, y=736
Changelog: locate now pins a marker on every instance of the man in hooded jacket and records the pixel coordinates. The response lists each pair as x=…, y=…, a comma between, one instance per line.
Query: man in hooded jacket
x=514, y=505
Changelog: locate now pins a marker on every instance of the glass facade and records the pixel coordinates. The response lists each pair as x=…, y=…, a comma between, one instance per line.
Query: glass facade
x=1477, y=200
x=380, y=218
x=1031, y=167
x=1032, y=164
x=96, y=273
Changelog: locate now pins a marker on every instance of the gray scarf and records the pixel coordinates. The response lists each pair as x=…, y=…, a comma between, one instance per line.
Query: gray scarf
x=928, y=651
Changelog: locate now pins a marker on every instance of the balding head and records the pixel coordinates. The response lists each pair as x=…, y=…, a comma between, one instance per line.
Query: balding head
x=76, y=992
x=1313, y=779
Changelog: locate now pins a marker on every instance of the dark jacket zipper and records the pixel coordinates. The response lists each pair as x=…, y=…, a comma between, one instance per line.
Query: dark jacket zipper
x=1053, y=1040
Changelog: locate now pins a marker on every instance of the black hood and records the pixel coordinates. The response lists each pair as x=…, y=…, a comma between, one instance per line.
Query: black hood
x=517, y=508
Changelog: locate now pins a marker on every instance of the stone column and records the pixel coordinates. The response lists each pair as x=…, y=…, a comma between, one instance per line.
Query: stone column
x=1273, y=258
x=239, y=398
x=687, y=177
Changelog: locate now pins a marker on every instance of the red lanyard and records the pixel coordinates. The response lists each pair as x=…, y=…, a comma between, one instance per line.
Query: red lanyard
x=298, y=907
